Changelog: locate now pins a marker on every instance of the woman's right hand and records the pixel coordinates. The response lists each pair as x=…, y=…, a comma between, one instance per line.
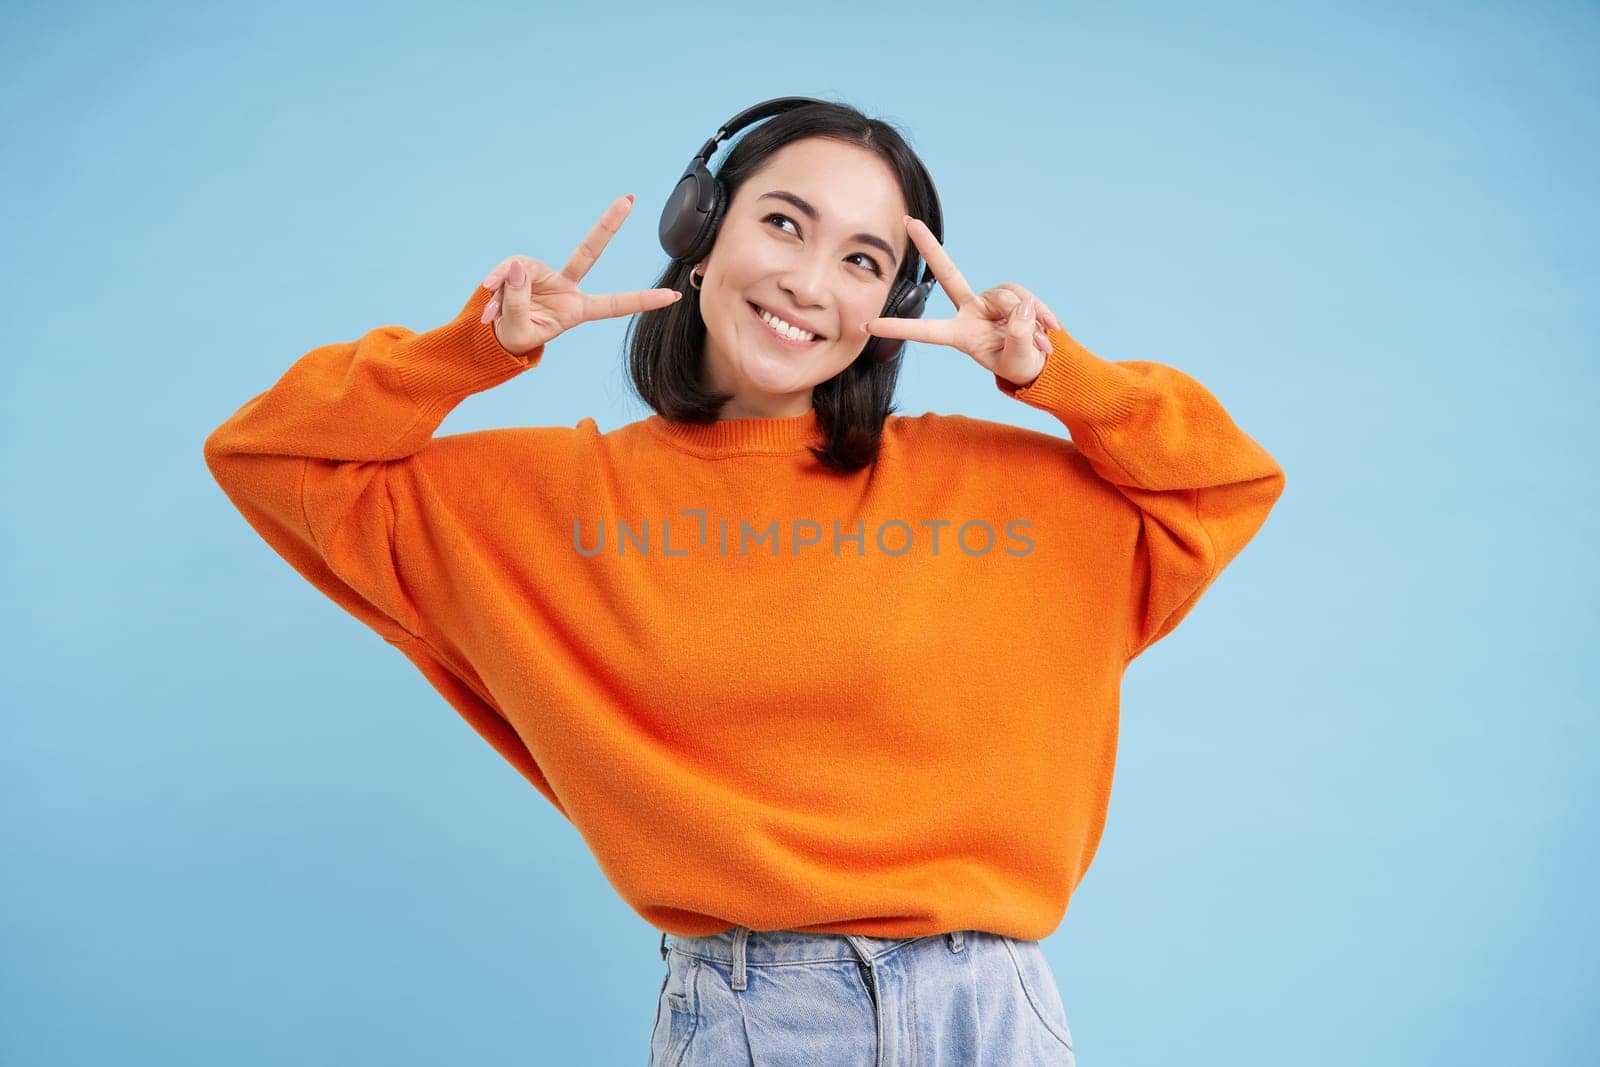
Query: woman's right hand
x=534, y=304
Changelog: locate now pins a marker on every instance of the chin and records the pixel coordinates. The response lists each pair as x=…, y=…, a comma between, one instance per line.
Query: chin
x=774, y=385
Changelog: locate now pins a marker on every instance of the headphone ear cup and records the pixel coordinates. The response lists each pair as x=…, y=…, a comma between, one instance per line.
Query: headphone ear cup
x=909, y=305
x=905, y=302
x=708, y=232
x=689, y=219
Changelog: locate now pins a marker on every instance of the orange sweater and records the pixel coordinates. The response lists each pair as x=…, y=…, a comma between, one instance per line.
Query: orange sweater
x=767, y=694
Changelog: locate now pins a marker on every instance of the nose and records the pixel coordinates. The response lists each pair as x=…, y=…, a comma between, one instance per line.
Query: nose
x=806, y=280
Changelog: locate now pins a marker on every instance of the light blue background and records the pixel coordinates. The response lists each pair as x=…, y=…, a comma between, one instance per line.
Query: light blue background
x=1354, y=815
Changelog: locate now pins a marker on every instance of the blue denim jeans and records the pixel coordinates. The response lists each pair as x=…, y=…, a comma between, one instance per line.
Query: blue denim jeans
x=778, y=997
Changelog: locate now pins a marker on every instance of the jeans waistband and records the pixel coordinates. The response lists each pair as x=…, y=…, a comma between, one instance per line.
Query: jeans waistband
x=742, y=945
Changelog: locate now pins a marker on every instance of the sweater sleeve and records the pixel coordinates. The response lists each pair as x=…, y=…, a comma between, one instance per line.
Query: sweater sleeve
x=1202, y=486
x=310, y=462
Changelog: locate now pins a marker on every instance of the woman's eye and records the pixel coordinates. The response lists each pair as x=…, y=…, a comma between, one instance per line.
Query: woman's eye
x=871, y=264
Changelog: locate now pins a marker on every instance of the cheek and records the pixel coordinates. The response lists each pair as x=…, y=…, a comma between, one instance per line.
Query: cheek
x=865, y=309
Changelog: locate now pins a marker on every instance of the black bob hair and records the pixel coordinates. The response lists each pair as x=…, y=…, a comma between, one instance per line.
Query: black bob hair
x=666, y=346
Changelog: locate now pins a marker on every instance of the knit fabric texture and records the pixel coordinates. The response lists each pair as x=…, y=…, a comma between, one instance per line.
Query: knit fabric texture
x=766, y=693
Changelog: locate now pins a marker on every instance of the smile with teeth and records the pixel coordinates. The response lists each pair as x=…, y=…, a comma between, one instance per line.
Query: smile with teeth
x=783, y=331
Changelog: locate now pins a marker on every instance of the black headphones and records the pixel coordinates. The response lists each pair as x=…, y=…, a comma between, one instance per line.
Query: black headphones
x=693, y=212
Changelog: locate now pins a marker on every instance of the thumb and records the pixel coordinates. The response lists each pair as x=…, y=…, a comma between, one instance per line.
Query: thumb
x=516, y=292
x=511, y=294
x=1019, y=332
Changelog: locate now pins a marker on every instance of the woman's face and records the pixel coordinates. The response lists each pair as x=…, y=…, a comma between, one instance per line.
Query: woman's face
x=825, y=274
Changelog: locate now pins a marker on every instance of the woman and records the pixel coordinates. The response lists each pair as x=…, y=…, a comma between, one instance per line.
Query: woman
x=830, y=692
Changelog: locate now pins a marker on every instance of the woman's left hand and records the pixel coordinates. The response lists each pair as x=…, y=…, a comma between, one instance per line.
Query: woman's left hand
x=993, y=327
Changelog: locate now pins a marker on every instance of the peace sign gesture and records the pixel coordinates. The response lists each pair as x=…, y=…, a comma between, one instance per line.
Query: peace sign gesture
x=536, y=304
x=1003, y=328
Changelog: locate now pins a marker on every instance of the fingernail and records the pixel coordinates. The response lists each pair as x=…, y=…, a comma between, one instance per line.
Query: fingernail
x=630, y=198
x=1027, y=309
x=516, y=273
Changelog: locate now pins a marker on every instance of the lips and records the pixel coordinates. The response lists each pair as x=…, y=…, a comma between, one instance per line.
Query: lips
x=758, y=309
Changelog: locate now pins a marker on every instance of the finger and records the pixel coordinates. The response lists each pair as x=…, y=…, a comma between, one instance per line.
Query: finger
x=490, y=279
x=931, y=331
x=614, y=305
x=1019, y=334
x=1045, y=315
x=497, y=277
x=514, y=294
x=998, y=305
x=1003, y=299
x=943, y=267
x=590, y=247
x=1000, y=302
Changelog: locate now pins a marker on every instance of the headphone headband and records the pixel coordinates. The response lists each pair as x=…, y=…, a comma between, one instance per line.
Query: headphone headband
x=753, y=114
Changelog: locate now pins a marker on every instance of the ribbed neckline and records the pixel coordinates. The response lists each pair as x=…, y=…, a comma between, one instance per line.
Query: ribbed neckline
x=795, y=433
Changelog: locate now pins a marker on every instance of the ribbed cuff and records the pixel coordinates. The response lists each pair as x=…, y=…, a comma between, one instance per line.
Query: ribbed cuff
x=1078, y=384
x=461, y=357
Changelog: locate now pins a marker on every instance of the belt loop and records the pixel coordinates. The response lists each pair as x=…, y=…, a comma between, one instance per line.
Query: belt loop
x=663, y=944
x=740, y=936
x=956, y=940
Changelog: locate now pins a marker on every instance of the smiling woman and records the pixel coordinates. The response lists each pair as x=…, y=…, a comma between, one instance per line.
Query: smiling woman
x=771, y=328
x=855, y=779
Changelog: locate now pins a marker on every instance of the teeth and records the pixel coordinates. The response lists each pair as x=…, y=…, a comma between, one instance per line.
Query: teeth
x=794, y=333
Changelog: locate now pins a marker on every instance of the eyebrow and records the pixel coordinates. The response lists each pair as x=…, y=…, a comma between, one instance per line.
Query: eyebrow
x=811, y=213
